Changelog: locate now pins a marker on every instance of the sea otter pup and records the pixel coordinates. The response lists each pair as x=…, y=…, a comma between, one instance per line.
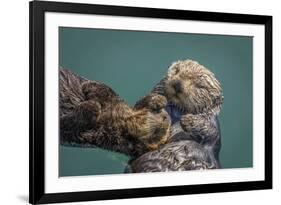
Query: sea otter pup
x=91, y=113
x=194, y=100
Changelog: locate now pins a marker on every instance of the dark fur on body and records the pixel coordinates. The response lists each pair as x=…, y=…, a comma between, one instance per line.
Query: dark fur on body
x=194, y=100
x=92, y=113
x=182, y=152
x=175, y=156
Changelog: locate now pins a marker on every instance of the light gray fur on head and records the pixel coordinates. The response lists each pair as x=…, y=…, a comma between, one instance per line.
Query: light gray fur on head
x=191, y=87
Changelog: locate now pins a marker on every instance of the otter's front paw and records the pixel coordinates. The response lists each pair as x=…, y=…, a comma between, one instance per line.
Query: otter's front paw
x=191, y=123
x=88, y=112
x=157, y=102
x=153, y=102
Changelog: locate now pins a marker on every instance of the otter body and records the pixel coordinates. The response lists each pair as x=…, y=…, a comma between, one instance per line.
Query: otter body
x=181, y=153
x=91, y=113
x=191, y=157
x=194, y=100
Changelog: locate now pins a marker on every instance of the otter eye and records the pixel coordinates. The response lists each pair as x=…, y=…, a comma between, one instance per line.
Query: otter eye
x=200, y=86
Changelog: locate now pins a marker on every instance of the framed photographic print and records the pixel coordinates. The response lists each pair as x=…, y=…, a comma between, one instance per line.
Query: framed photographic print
x=140, y=102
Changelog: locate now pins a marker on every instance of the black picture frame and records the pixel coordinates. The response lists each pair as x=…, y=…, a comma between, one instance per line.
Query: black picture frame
x=37, y=11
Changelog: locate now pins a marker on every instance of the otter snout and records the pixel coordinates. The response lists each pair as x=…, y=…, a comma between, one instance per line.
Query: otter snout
x=177, y=86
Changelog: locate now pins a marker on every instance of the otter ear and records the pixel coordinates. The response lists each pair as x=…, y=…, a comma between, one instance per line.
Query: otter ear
x=174, y=68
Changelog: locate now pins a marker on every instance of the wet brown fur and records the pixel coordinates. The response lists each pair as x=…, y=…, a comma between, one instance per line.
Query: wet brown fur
x=92, y=113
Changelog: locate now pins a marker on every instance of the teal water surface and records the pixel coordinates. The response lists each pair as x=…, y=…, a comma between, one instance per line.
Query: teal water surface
x=90, y=161
x=132, y=62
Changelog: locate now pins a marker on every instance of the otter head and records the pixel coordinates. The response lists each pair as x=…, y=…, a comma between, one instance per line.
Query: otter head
x=150, y=128
x=192, y=88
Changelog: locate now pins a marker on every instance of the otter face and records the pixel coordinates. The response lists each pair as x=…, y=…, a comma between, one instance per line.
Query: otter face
x=152, y=128
x=192, y=88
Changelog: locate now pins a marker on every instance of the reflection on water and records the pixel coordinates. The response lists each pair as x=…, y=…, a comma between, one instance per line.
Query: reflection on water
x=77, y=161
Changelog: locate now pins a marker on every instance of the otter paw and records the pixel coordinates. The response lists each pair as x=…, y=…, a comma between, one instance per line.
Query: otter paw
x=157, y=102
x=88, y=112
x=153, y=102
x=191, y=122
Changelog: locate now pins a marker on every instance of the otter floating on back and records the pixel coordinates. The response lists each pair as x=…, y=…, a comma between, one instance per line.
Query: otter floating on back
x=181, y=153
x=91, y=113
x=194, y=98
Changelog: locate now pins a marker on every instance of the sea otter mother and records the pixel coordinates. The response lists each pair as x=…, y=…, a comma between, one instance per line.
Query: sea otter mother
x=194, y=101
x=91, y=113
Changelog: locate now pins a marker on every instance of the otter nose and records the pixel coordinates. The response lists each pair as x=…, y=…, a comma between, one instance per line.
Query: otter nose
x=177, y=86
